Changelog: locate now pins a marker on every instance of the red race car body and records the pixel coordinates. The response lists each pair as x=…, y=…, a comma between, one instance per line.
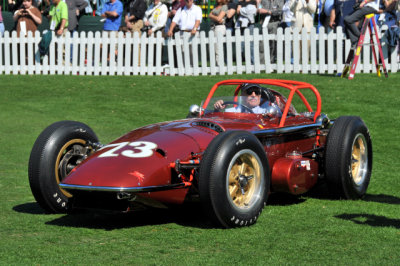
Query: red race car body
x=230, y=159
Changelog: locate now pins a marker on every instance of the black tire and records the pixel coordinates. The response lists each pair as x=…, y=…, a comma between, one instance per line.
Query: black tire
x=220, y=172
x=348, y=158
x=58, y=149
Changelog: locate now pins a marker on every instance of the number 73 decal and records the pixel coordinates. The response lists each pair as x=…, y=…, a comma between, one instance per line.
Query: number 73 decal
x=141, y=149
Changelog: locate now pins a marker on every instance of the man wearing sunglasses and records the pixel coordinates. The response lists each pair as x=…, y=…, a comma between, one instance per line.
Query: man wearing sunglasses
x=251, y=99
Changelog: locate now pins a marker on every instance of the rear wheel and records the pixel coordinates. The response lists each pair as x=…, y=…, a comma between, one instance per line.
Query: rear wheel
x=57, y=150
x=348, y=158
x=234, y=179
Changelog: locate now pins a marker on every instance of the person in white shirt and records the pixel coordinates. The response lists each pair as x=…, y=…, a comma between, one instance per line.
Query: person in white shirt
x=155, y=17
x=287, y=15
x=187, y=18
x=303, y=11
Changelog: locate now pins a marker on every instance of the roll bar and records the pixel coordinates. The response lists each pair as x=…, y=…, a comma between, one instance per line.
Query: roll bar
x=293, y=86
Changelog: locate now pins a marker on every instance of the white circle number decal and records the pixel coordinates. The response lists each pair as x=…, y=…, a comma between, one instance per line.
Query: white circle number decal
x=145, y=148
x=141, y=149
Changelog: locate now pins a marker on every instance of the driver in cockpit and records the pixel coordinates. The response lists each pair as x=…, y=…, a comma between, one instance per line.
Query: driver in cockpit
x=251, y=93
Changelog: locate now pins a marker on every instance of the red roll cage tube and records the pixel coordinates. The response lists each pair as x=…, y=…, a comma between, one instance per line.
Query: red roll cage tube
x=293, y=86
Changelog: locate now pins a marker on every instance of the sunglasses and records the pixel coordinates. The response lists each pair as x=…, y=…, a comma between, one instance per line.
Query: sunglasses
x=250, y=91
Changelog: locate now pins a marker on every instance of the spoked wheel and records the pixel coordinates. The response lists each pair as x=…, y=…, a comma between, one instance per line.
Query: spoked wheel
x=348, y=158
x=244, y=179
x=56, y=152
x=359, y=160
x=234, y=179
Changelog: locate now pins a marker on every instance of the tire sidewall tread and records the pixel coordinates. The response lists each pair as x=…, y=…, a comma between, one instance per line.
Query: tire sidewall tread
x=41, y=170
x=338, y=157
x=213, y=184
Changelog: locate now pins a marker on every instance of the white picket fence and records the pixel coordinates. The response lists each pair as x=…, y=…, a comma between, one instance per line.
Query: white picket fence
x=296, y=52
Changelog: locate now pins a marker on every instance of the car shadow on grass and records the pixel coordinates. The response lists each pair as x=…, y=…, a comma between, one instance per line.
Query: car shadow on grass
x=321, y=191
x=186, y=215
x=29, y=208
x=284, y=199
x=382, y=198
x=370, y=219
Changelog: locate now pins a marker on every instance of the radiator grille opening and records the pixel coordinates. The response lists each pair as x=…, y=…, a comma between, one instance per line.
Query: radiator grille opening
x=210, y=125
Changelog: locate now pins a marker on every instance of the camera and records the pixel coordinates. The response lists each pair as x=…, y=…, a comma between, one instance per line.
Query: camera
x=145, y=28
x=357, y=4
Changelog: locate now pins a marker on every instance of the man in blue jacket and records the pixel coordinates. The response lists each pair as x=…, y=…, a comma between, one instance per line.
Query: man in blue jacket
x=112, y=12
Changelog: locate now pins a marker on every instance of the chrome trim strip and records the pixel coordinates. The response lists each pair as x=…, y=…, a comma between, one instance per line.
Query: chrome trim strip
x=286, y=130
x=123, y=189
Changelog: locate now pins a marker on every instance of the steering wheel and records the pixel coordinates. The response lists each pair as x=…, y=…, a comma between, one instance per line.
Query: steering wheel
x=241, y=105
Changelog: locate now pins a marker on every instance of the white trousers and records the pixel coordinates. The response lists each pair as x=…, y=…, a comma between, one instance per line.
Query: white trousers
x=222, y=30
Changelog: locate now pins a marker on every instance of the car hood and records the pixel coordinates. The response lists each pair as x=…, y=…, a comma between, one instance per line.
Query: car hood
x=142, y=157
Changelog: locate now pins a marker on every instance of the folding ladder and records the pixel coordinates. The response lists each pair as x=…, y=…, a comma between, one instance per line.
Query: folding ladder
x=352, y=59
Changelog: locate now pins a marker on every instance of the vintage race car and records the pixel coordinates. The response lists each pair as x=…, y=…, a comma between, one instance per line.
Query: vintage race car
x=224, y=154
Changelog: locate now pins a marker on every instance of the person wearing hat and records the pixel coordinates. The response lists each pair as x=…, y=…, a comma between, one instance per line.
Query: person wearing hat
x=251, y=94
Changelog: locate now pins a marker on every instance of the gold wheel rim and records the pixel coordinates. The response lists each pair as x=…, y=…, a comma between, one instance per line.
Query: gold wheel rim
x=359, y=159
x=244, y=179
x=61, y=153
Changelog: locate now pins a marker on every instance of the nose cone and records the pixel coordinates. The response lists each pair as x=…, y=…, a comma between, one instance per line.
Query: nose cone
x=138, y=159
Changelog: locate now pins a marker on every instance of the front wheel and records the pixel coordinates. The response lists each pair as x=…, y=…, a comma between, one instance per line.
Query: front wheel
x=57, y=150
x=348, y=158
x=234, y=179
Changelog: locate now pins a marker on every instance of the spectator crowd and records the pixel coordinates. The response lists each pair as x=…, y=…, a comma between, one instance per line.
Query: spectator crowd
x=151, y=16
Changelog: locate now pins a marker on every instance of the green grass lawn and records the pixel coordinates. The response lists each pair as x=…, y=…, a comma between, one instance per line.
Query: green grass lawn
x=291, y=230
